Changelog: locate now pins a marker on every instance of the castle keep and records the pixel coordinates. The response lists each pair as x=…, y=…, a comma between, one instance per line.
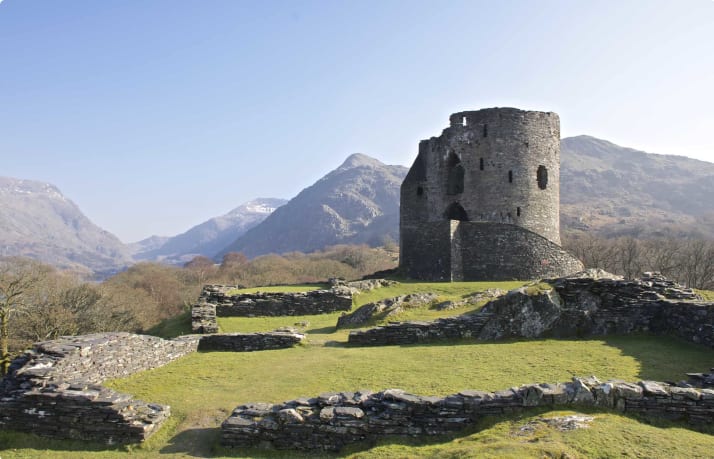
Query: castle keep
x=481, y=202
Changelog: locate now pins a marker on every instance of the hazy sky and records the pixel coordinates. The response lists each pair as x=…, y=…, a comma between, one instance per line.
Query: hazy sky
x=156, y=115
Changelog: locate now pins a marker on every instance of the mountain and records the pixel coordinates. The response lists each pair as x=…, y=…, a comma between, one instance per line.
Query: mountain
x=605, y=189
x=37, y=221
x=356, y=203
x=147, y=245
x=612, y=191
x=209, y=237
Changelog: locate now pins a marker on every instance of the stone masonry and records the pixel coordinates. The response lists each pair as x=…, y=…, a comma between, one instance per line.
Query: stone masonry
x=570, y=307
x=215, y=301
x=333, y=420
x=54, y=390
x=481, y=201
x=249, y=342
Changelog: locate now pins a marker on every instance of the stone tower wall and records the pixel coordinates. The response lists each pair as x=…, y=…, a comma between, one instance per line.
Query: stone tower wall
x=499, y=151
x=499, y=167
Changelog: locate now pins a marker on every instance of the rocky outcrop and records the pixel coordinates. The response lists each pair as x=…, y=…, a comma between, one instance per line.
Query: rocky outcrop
x=567, y=307
x=472, y=299
x=364, y=285
x=54, y=390
x=384, y=308
x=414, y=332
x=333, y=420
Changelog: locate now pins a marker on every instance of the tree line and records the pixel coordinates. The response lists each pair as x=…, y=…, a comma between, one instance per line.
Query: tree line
x=39, y=302
x=688, y=261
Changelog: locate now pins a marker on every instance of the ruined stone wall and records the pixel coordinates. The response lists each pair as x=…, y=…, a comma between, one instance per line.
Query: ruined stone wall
x=283, y=304
x=333, y=420
x=54, y=389
x=574, y=307
x=215, y=301
x=249, y=342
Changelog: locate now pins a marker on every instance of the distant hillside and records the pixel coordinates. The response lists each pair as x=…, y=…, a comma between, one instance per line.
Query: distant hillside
x=612, y=191
x=356, y=203
x=37, y=221
x=209, y=237
x=606, y=190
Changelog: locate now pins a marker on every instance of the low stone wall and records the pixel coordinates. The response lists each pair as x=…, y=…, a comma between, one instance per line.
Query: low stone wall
x=214, y=301
x=450, y=328
x=54, y=389
x=249, y=342
x=331, y=421
x=283, y=304
x=570, y=307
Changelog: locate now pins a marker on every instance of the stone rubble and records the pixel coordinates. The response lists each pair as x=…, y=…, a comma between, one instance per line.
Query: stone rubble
x=384, y=308
x=561, y=423
x=471, y=299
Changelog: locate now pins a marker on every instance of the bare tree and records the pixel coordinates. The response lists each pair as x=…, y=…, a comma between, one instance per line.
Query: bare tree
x=16, y=278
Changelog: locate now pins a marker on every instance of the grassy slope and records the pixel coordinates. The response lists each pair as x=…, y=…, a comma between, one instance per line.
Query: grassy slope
x=279, y=288
x=202, y=389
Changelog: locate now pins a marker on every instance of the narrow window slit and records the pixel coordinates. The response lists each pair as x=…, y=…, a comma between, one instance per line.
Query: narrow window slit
x=542, y=177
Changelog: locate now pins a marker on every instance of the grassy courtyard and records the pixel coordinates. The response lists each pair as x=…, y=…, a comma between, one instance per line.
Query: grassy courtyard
x=202, y=389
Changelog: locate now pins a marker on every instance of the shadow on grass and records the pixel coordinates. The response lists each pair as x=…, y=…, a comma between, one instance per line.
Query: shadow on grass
x=14, y=440
x=172, y=327
x=321, y=331
x=662, y=358
x=193, y=442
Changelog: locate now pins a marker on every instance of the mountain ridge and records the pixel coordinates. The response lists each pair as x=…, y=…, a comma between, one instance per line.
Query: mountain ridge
x=38, y=221
x=606, y=190
x=358, y=202
x=209, y=237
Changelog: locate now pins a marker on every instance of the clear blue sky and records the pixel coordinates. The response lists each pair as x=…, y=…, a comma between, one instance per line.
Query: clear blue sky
x=156, y=115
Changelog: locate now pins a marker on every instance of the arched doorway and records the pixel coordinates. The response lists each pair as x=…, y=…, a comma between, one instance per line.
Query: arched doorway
x=455, y=211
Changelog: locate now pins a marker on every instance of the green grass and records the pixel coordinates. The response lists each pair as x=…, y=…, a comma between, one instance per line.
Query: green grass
x=279, y=288
x=173, y=327
x=321, y=328
x=537, y=288
x=608, y=436
x=446, y=290
x=708, y=295
x=203, y=388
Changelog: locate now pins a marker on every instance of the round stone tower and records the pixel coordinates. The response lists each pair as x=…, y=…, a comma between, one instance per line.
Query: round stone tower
x=489, y=168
